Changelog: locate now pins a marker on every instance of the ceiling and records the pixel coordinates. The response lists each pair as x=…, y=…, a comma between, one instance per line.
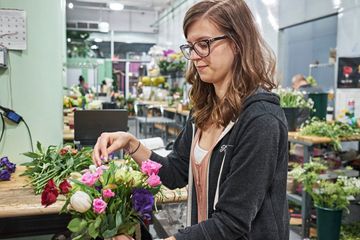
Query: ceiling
x=140, y=5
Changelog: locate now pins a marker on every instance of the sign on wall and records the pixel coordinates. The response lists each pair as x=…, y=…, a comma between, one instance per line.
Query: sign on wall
x=349, y=72
x=13, y=29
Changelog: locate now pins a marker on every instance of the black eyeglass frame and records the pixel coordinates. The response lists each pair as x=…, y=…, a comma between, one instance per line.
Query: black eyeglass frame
x=192, y=46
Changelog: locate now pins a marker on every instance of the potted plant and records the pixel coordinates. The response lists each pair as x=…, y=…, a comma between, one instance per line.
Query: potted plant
x=296, y=107
x=330, y=196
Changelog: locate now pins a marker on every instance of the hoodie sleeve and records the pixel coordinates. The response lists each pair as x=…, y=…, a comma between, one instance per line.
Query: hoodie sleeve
x=175, y=166
x=252, y=170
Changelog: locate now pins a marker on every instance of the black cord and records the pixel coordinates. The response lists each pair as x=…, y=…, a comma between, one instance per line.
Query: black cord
x=3, y=127
x=32, y=147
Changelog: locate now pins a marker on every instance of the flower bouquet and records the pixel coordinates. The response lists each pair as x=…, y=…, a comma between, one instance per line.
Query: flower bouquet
x=110, y=200
x=6, y=168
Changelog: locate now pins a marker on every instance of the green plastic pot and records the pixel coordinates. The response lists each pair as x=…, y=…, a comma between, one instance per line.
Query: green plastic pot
x=328, y=223
x=320, y=104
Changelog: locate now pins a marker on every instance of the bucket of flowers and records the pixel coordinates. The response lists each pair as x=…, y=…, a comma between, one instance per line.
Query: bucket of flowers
x=109, y=200
x=331, y=195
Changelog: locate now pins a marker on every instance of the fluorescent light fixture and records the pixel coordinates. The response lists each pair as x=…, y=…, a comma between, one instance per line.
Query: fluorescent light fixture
x=71, y=5
x=104, y=27
x=116, y=6
x=98, y=40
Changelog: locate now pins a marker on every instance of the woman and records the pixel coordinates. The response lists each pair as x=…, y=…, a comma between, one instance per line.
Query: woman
x=233, y=150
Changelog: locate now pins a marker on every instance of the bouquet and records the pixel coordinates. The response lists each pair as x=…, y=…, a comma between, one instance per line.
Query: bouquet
x=109, y=200
x=55, y=163
x=6, y=168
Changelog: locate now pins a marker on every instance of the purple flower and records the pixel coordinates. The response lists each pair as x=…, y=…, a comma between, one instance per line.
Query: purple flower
x=9, y=165
x=143, y=202
x=168, y=52
x=4, y=175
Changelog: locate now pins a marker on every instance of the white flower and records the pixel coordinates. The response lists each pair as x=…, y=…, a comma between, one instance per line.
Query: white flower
x=80, y=201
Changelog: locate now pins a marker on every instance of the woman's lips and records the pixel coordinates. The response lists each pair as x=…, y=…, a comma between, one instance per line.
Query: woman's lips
x=201, y=68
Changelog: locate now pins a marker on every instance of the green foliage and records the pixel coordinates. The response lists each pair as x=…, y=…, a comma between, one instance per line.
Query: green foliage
x=333, y=130
x=56, y=163
x=293, y=99
x=311, y=80
x=326, y=193
x=350, y=231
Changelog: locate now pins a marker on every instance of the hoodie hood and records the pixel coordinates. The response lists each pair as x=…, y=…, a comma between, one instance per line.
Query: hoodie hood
x=262, y=95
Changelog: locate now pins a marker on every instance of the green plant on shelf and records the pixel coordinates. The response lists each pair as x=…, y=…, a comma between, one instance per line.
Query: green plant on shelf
x=293, y=99
x=333, y=130
x=326, y=193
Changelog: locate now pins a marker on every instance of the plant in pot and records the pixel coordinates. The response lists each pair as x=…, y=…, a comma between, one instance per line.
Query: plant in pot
x=296, y=107
x=330, y=196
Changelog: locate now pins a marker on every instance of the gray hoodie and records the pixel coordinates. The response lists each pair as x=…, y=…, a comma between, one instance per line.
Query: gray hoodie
x=246, y=177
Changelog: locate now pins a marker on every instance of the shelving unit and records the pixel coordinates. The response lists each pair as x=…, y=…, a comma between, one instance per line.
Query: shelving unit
x=305, y=201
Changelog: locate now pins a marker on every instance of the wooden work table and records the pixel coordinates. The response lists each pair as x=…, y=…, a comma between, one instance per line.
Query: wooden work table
x=21, y=212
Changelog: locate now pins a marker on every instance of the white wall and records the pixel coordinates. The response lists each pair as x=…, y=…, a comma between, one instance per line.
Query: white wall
x=348, y=45
x=298, y=11
x=37, y=76
x=125, y=21
x=266, y=15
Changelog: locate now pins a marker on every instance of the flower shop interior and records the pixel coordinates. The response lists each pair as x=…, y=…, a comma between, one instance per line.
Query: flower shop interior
x=72, y=69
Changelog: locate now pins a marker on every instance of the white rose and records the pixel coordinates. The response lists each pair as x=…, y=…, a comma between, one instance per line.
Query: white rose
x=80, y=201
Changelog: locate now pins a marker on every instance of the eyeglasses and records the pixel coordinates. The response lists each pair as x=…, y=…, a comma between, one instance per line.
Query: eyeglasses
x=202, y=48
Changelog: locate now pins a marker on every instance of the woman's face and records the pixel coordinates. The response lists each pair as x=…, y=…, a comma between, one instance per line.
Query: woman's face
x=216, y=68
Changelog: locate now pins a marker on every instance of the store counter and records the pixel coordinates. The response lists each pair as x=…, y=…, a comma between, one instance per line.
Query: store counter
x=21, y=212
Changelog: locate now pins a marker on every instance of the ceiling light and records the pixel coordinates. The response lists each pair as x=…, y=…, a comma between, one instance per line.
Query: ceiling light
x=94, y=47
x=98, y=40
x=116, y=6
x=69, y=40
x=71, y=5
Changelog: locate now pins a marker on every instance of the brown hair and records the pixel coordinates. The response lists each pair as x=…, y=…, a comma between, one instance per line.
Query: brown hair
x=253, y=66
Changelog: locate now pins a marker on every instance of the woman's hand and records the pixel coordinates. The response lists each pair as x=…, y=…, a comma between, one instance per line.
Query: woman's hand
x=110, y=142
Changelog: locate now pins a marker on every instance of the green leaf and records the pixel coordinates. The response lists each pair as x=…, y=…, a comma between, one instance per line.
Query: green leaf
x=27, y=164
x=97, y=221
x=39, y=147
x=118, y=219
x=110, y=233
x=32, y=155
x=70, y=162
x=92, y=230
x=77, y=224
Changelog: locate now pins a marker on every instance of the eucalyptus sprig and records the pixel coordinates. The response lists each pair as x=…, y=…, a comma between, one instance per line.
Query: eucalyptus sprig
x=333, y=130
x=56, y=163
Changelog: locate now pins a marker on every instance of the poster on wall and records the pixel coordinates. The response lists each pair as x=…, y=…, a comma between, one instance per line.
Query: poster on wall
x=349, y=72
x=13, y=29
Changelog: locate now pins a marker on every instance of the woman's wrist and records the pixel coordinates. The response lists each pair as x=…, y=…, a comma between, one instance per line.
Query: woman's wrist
x=133, y=145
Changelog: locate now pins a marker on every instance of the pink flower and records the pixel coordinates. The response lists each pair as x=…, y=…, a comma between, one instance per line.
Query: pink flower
x=153, y=180
x=107, y=193
x=99, y=205
x=89, y=179
x=98, y=172
x=149, y=167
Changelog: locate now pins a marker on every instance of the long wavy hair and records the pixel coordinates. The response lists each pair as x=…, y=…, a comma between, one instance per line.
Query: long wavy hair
x=253, y=66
